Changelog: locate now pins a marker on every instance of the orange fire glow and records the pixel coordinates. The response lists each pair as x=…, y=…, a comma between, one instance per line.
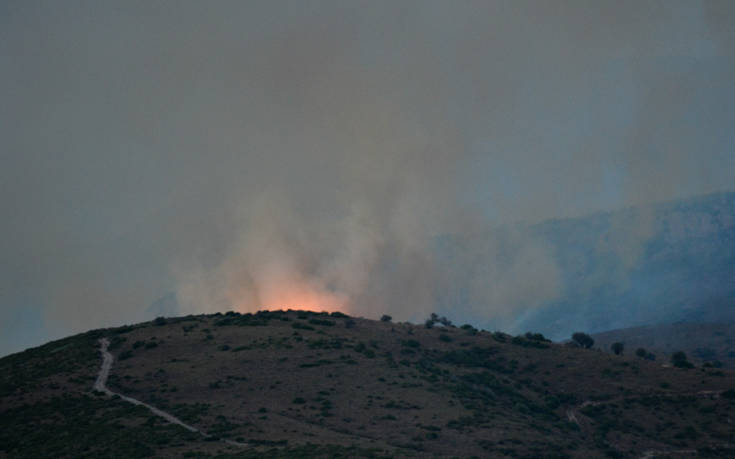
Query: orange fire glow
x=297, y=295
x=304, y=297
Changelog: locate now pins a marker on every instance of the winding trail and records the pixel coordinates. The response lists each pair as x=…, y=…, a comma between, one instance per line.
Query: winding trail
x=100, y=385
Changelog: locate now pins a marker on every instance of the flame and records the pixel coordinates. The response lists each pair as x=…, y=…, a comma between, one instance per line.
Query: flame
x=288, y=294
x=302, y=296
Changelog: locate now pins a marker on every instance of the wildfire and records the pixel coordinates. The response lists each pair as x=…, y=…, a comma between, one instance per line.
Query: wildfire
x=299, y=295
x=303, y=296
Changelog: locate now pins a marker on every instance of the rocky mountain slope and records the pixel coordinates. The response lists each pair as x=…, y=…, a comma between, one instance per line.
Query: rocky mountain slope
x=667, y=262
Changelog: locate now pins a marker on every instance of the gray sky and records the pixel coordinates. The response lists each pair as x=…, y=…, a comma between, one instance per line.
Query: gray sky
x=277, y=154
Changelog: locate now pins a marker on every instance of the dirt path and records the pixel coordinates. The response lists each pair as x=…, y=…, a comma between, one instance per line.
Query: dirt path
x=100, y=385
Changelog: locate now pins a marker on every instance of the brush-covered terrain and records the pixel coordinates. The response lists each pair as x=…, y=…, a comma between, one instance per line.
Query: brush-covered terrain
x=303, y=384
x=705, y=343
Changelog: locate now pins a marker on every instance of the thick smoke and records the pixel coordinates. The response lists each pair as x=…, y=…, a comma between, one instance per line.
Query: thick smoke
x=314, y=154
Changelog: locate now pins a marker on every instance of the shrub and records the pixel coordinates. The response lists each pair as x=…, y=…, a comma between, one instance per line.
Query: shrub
x=410, y=343
x=434, y=318
x=386, y=318
x=325, y=322
x=349, y=323
x=640, y=352
x=617, y=348
x=339, y=315
x=299, y=401
x=679, y=360
x=159, y=321
x=499, y=337
x=537, y=337
x=525, y=342
x=445, y=338
x=125, y=355
x=583, y=340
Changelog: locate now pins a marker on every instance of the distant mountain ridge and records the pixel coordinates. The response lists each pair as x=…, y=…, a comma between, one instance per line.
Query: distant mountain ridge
x=667, y=262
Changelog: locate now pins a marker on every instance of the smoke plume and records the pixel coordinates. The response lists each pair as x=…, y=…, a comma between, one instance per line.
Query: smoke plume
x=315, y=154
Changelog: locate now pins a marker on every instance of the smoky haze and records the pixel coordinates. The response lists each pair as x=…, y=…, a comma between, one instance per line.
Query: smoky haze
x=250, y=155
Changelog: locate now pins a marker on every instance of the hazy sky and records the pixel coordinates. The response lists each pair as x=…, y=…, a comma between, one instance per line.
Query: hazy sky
x=278, y=154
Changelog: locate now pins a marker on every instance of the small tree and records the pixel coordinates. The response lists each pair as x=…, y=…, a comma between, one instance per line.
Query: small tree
x=434, y=319
x=640, y=352
x=386, y=318
x=679, y=360
x=617, y=348
x=537, y=337
x=583, y=340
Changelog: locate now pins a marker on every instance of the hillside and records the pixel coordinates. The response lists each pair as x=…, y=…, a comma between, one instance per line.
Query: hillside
x=702, y=342
x=301, y=384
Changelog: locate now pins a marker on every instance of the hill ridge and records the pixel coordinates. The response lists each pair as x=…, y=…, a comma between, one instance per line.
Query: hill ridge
x=305, y=384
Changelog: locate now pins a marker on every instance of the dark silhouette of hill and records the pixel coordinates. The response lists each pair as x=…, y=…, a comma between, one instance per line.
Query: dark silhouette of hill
x=302, y=384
